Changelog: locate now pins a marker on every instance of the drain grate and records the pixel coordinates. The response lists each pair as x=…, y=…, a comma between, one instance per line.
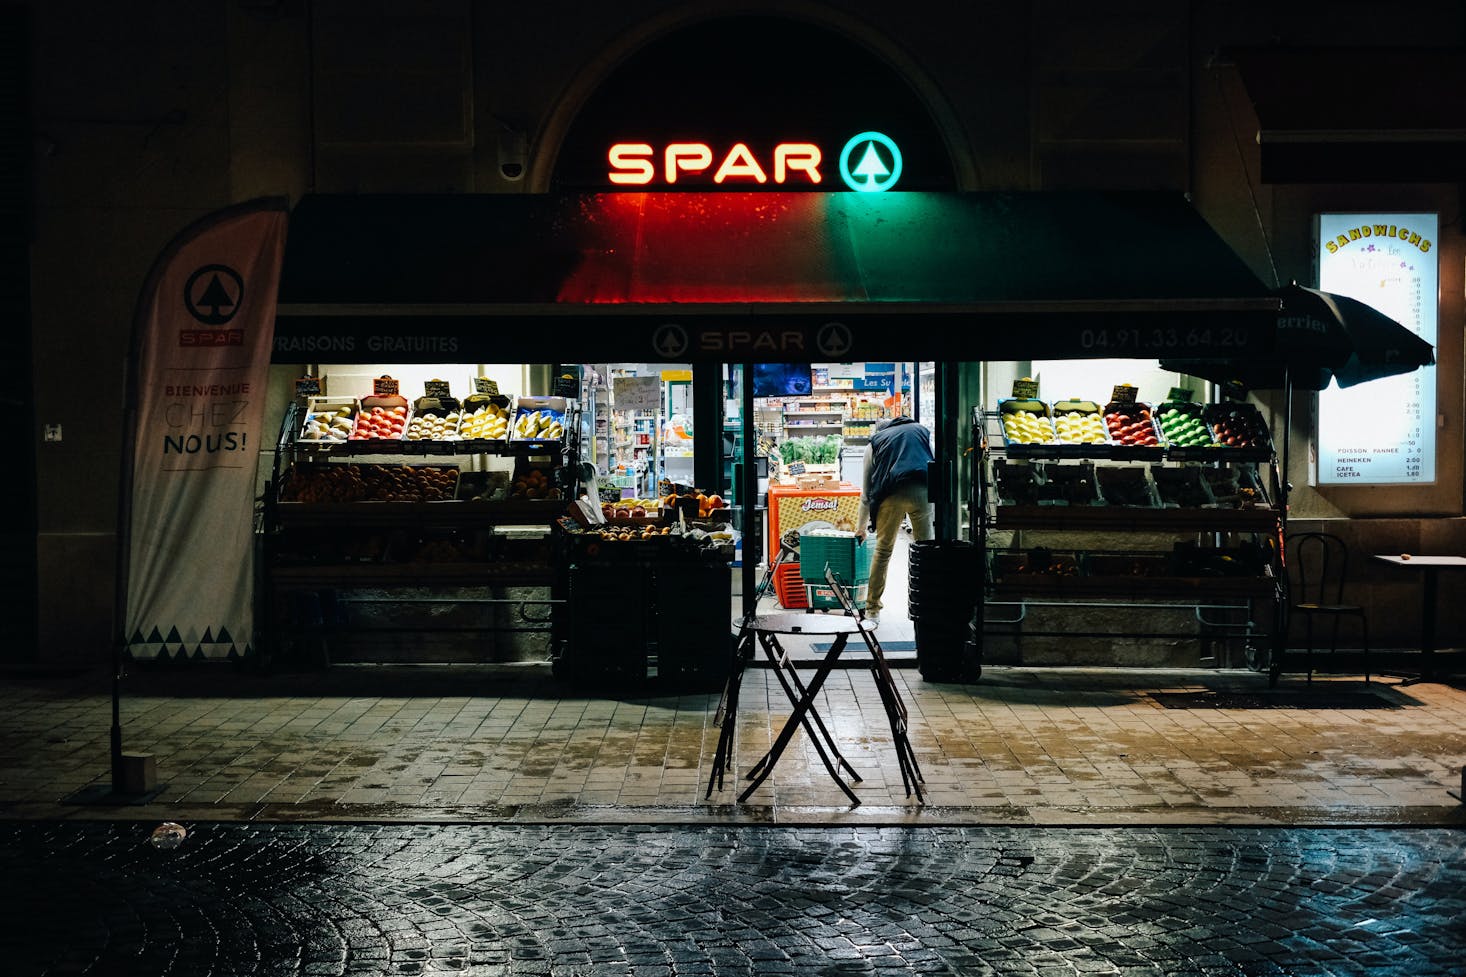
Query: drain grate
x=1273, y=700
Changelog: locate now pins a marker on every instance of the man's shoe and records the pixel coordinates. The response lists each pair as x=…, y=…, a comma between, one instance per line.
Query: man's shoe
x=874, y=617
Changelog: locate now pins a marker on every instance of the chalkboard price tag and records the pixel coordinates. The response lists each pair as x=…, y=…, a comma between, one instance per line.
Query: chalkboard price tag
x=1180, y=395
x=567, y=381
x=384, y=386
x=1234, y=390
x=796, y=468
x=308, y=387
x=483, y=385
x=437, y=388
x=1123, y=393
x=1025, y=389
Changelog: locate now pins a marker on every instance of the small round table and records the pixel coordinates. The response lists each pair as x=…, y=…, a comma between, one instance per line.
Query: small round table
x=763, y=630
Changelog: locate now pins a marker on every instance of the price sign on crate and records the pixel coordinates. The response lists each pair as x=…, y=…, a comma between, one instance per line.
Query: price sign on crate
x=1123, y=393
x=308, y=387
x=1025, y=389
x=441, y=389
x=483, y=385
x=1180, y=395
x=385, y=386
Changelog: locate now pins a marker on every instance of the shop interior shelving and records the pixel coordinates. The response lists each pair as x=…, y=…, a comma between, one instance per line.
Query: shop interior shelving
x=1219, y=559
x=410, y=556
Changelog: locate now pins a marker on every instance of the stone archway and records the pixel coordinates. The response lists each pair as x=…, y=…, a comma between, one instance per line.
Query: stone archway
x=838, y=28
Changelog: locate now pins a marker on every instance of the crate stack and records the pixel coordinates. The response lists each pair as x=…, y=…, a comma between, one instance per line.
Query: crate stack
x=842, y=553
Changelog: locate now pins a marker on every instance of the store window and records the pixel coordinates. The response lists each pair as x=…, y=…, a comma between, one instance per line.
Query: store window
x=1094, y=380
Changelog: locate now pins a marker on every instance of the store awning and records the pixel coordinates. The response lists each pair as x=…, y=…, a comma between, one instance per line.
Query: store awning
x=1350, y=114
x=762, y=276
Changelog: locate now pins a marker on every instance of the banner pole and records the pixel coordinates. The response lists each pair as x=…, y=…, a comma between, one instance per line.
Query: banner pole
x=142, y=781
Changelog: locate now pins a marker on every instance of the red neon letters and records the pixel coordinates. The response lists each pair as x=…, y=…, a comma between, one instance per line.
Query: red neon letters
x=634, y=163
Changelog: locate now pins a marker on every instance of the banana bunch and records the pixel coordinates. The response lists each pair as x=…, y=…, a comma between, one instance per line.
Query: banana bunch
x=538, y=424
x=487, y=421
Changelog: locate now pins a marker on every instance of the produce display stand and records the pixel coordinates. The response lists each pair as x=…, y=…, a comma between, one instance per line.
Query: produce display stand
x=344, y=575
x=645, y=612
x=1220, y=557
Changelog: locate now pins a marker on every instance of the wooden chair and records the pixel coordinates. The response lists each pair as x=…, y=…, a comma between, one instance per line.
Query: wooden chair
x=1318, y=565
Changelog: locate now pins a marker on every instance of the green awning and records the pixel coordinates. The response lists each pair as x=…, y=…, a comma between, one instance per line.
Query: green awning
x=763, y=276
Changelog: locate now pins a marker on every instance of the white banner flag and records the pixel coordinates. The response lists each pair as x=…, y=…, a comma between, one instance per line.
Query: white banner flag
x=205, y=327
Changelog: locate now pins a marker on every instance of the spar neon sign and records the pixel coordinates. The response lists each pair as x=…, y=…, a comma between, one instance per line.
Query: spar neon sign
x=868, y=163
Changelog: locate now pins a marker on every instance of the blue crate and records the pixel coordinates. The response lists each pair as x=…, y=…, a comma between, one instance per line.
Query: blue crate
x=846, y=556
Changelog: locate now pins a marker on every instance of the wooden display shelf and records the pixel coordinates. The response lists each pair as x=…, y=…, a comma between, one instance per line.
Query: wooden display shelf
x=454, y=513
x=346, y=575
x=1134, y=519
x=1189, y=589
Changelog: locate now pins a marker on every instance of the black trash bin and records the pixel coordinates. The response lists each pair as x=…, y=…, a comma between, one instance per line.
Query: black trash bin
x=944, y=585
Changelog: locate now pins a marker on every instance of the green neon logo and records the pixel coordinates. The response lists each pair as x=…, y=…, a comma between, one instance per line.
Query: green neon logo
x=874, y=171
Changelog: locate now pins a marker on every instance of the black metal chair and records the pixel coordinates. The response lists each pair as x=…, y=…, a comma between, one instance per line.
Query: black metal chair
x=1318, y=565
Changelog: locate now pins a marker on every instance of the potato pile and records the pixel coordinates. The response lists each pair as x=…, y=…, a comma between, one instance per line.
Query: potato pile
x=533, y=483
x=625, y=534
x=370, y=483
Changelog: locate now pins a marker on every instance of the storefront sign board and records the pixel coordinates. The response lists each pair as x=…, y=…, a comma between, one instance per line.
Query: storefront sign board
x=1381, y=432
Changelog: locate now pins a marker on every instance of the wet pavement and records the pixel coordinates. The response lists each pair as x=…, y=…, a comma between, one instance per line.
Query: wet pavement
x=1022, y=746
x=328, y=899
x=493, y=821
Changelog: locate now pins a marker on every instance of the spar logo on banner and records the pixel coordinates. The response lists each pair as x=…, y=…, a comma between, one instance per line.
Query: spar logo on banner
x=201, y=355
x=212, y=295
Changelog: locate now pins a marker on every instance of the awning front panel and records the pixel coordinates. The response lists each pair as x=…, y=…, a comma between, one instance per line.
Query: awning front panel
x=764, y=276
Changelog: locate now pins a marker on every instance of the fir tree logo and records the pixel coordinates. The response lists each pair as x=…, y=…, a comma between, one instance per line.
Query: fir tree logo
x=213, y=294
x=877, y=163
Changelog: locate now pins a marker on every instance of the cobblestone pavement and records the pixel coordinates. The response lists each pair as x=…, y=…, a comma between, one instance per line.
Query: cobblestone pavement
x=327, y=899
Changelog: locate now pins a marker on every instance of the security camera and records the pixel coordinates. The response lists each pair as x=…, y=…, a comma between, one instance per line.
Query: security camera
x=513, y=149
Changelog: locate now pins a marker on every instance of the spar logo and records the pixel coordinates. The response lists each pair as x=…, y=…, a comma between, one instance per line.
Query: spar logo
x=869, y=162
x=213, y=295
x=818, y=505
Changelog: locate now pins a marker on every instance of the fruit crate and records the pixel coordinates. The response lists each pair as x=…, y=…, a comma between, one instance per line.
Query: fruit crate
x=329, y=420
x=474, y=425
x=539, y=420
x=789, y=588
x=1183, y=488
x=1073, y=420
x=1043, y=429
x=1239, y=430
x=1128, y=485
x=1184, y=430
x=847, y=557
x=1132, y=431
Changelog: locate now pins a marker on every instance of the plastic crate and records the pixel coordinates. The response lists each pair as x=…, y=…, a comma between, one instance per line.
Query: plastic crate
x=788, y=588
x=821, y=596
x=842, y=553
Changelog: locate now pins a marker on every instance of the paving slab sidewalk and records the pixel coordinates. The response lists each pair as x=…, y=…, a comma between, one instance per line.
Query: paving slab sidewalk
x=1054, y=746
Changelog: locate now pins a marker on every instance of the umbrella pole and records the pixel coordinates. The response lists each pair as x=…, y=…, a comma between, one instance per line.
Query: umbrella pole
x=1287, y=437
